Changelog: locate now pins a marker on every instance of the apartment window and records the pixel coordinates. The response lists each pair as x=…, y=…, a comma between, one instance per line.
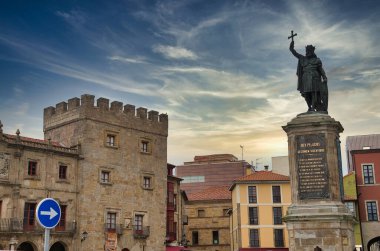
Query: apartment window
x=105, y=176
x=147, y=182
x=201, y=213
x=193, y=179
x=368, y=174
x=276, y=193
x=29, y=215
x=139, y=221
x=253, y=216
x=252, y=194
x=278, y=237
x=32, y=168
x=254, y=238
x=111, y=221
x=175, y=202
x=215, y=237
x=277, y=216
x=225, y=212
x=351, y=206
x=195, y=237
x=170, y=194
x=62, y=172
x=372, y=211
x=62, y=221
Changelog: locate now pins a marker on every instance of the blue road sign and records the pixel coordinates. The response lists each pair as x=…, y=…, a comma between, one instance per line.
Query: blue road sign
x=48, y=213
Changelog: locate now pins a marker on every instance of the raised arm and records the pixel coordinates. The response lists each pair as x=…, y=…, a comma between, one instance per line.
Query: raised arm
x=293, y=51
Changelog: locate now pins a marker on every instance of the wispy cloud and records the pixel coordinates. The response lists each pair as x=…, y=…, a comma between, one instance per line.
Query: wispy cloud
x=172, y=52
x=128, y=60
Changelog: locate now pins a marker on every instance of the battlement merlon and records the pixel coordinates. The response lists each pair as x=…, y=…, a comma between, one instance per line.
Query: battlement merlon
x=115, y=113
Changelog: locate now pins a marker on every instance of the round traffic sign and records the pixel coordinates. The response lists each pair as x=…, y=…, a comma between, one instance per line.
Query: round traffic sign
x=48, y=213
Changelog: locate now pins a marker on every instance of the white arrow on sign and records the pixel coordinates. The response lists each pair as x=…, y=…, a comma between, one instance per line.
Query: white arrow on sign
x=52, y=213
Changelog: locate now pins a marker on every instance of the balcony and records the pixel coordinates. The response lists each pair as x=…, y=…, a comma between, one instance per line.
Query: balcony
x=113, y=228
x=140, y=232
x=11, y=225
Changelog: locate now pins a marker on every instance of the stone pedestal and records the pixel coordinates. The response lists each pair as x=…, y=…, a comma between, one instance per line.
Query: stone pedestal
x=317, y=216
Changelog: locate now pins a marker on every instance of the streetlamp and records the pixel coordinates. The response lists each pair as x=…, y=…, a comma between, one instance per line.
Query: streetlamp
x=83, y=236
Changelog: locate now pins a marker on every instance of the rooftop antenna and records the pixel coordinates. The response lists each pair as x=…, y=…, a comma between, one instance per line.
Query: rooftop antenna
x=242, y=152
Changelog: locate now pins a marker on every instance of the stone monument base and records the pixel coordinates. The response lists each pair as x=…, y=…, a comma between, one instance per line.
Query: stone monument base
x=328, y=226
x=317, y=216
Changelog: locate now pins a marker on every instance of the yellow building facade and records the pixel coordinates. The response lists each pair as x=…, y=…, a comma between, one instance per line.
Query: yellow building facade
x=259, y=201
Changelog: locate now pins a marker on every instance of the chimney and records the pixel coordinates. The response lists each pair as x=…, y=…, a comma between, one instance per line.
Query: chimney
x=266, y=167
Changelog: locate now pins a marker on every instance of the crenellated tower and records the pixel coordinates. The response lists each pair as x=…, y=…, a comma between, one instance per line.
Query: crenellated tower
x=122, y=172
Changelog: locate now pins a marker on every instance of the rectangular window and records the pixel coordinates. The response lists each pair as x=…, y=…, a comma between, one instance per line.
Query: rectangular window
x=175, y=202
x=62, y=172
x=252, y=195
x=170, y=195
x=144, y=146
x=32, y=168
x=277, y=216
x=215, y=237
x=192, y=179
x=111, y=140
x=276, y=193
x=368, y=174
x=201, y=213
x=254, y=238
x=195, y=236
x=253, y=216
x=372, y=211
x=62, y=222
x=225, y=212
x=104, y=176
x=351, y=206
x=111, y=221
x=139, y=221
x=147, y=182
x=278, y=237
x=29, y=216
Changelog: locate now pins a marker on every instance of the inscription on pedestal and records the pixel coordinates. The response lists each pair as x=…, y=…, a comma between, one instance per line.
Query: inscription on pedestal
x=312, y=168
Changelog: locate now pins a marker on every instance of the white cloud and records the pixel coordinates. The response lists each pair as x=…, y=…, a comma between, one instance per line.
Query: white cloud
x=174, y=52
x=128, y=60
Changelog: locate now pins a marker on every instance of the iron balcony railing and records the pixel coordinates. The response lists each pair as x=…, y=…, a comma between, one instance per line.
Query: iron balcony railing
x=113, y=228
x=141, y=232
x=14, y=225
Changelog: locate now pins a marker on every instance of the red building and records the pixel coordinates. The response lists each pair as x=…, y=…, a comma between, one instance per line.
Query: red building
x=175, y=212
x=366, y=164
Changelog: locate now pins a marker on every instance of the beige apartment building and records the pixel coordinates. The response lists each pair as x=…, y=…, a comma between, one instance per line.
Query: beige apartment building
x=105, y=163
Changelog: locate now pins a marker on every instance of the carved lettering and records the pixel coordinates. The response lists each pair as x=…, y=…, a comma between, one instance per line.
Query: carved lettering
x=312, y=167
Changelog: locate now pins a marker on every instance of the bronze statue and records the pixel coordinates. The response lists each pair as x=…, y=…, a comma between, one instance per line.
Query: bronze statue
x=312, y=80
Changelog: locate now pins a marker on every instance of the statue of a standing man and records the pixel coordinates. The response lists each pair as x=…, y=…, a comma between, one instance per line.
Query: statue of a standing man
x=312, y=80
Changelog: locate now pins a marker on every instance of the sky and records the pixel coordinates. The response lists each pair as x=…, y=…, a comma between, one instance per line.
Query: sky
x=220, y=69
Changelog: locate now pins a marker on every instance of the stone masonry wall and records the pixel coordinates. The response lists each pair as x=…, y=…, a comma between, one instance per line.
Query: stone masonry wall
x=79, y=121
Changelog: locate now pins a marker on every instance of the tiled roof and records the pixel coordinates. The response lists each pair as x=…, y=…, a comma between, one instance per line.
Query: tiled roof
x=211, y=193
x=359, y=141
x=40, y=141
x=264, y=176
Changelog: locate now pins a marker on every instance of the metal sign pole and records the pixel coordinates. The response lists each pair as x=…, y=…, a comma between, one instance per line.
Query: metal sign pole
x=47, y=239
